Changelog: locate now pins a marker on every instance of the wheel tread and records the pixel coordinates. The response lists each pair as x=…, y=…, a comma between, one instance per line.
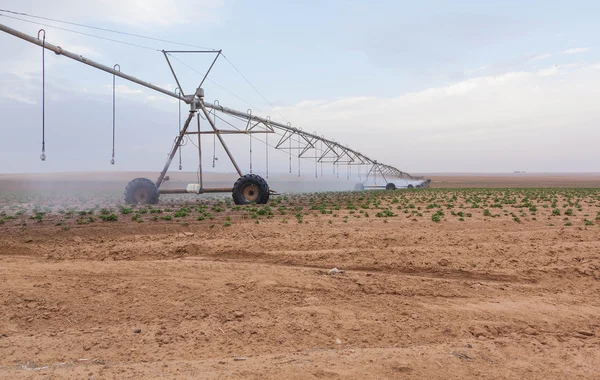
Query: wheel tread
x=137, y=183
x=254, y=178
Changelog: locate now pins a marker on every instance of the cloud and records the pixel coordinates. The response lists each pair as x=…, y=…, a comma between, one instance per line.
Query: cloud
x=17, y=98
x=577, y=50
x=543, y=119
x=162, y=12
x=393, y=39
x=548, y=71
x=84, y=50
x=138, y=13
x=540, y=57
x=122, y=89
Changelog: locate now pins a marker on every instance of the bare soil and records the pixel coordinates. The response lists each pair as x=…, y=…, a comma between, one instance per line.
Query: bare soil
x=486, y=297
x=514, y=180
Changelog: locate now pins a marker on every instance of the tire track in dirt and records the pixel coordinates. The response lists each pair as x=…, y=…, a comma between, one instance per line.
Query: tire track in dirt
x=247, y=257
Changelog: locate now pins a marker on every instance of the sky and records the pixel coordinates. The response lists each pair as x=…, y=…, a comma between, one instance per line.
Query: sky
x=428, y=86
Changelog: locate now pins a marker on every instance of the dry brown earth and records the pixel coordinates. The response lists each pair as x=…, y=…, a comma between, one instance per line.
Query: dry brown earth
x=482, y=298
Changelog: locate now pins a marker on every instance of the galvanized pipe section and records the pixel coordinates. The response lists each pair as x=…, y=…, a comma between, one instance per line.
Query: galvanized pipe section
x=202, y=191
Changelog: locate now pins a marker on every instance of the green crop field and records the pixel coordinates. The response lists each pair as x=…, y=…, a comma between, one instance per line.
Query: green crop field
x=552, y=207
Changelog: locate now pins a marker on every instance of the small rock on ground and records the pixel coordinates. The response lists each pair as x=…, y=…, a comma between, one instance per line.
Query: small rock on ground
x=238, y=314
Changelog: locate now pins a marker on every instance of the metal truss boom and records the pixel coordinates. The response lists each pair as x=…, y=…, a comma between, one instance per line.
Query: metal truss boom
x=340, y=153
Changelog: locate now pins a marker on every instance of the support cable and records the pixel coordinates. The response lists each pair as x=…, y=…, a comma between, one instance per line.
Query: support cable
x=254, y=87
x=212, y=81
x=82, y=33
x=102, y=29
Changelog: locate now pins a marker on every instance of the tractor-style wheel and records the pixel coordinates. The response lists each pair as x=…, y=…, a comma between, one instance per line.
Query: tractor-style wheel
x=359, y=187
x=250, y=188
x=410, y=186
x=141, y=191
x=390, y=186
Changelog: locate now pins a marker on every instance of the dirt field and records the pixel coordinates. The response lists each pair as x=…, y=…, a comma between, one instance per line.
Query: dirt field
x=437, y=284
x=518, y=180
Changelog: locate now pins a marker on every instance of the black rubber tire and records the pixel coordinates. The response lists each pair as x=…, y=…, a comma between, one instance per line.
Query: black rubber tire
x=242, y=195
x=418, y=186
x=390, y=186
x=410, y=186
x=141, y=191
x=359, y=187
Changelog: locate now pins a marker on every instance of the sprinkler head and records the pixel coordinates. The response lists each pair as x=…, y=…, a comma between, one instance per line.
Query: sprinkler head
x=43, y=156
x=112, y=161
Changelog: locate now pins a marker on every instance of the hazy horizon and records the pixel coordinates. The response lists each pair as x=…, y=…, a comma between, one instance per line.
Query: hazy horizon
x=274, y=173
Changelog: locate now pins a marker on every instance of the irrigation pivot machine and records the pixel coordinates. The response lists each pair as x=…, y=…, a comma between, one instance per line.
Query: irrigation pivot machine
x=249, y=188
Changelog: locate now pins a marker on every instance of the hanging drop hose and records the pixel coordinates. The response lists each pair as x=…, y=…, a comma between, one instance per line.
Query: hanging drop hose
x=375, y=177
x=215, y=136
x=299, y=154
x=43, y=155
x=178, y=91
x=316, y=156
x=267, y=152
x=116, y=67
x=250, y=135
x=250, y=152
x=214, y=149
x=322, y=155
